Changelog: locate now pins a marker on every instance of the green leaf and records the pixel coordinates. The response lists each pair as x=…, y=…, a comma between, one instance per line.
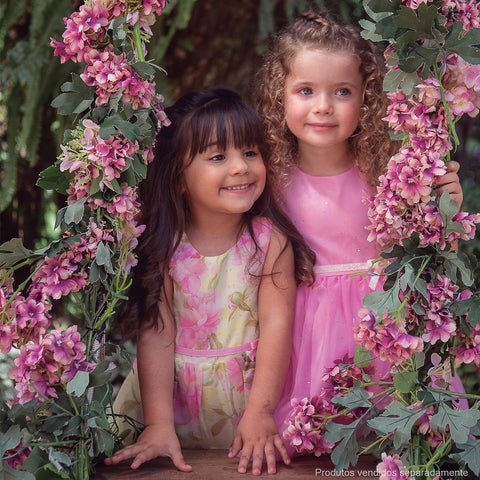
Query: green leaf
x=358, y=398
x=396, y=417
x=144, y=70
x=470, y=305
x=103, y=257
x=100, y=375
x=368, y=32
x=382, y=6
x=466, y=46
x=422, y=21
x=111, y=124
x=419, y=359
x=459, y=421
x=74, y=212
x=12, y=252
x=345, y=453
x=77, y=97
x=380, y=301
x=469, y=452
x=59, y=459
x=447, y=207
x=362, y=357
x=453, y=264
x=78, y=384
x=10, y=439
x=53, y=179
x=104, y=441
x=405, y=382
x=8, y=473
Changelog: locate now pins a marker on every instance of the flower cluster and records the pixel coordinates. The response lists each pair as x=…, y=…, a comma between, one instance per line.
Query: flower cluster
x=102, y=161
x=391, y=467
x=404, y=202
x=41, y=366
x=88, y=27
x=307, y=423
x=388, y=339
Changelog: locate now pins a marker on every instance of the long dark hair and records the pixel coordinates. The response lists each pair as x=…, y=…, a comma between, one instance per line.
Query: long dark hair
x=195, y=119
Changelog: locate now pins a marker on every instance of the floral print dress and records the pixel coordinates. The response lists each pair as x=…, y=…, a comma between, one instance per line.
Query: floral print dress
x=215, y=309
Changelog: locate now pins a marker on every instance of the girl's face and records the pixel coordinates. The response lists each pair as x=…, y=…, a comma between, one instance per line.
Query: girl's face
x=224, y=182
x=323, y=95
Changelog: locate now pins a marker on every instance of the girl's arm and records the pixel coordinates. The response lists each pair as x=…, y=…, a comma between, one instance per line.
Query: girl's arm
x=257, y=434
x=155, y=361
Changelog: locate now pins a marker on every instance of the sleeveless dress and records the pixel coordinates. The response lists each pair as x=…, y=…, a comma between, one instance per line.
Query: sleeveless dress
x=215, y=310
x=330, y=214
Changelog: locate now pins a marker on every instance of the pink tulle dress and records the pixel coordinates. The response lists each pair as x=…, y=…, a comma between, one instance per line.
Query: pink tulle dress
x=329, y=212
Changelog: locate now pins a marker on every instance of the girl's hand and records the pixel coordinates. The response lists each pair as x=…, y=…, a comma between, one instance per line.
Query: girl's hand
x=450, y=182
x=154, y=441
x=257, y=435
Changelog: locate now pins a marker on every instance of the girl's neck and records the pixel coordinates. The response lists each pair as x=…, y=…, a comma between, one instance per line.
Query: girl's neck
x=324, y=162
x=212, y=238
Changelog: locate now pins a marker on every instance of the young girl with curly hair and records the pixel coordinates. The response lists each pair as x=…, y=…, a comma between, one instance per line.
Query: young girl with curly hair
x=320, y=97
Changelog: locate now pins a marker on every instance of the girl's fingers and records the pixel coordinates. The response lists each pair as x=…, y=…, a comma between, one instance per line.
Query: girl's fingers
x=257, y=460
x=244, y=459
x=236, y=447
x=270, y=457
x=117, y=457
x=453, y=166
x=280, y=446
x=179, y=461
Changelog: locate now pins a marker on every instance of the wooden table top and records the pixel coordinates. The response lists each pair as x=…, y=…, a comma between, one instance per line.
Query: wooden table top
x=215, y=465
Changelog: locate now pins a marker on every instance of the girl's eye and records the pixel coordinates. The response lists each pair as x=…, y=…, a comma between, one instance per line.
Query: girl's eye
x=251, y=153
x=305, y=91
x=217, y=158
x=343, y=92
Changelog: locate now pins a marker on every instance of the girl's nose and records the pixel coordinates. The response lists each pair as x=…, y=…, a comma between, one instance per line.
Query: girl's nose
x=323, y=105
x=239, y=165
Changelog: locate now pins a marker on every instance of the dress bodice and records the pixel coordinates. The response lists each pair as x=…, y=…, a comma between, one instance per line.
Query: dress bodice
x=330, y=214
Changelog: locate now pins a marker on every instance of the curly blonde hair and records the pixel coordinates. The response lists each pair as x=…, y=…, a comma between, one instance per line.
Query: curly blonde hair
x=370, y=144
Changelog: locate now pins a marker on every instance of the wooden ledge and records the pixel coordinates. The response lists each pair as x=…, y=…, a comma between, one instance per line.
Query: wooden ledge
x=215, y=465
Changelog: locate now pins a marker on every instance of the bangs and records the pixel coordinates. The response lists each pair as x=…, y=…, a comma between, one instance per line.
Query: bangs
x=225, y=123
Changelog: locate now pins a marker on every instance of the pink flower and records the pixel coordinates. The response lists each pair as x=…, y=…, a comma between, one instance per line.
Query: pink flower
x=59, y=275
x=469, y=349
x=305, y=431
x=43, y=366
x=391, y=468
x=84, y=29
x=199, y=318
x=124, y=205
x=8, y=337
x=388, y=339
x=459, y=100
x=187, y=395
x=234, y=370
x=188, y=268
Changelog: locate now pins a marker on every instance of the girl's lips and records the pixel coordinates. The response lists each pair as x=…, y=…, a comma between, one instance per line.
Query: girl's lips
x=322, y=125
x=238, y=188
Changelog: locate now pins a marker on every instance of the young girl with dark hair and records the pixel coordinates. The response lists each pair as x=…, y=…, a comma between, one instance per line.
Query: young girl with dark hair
x=214, y=290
